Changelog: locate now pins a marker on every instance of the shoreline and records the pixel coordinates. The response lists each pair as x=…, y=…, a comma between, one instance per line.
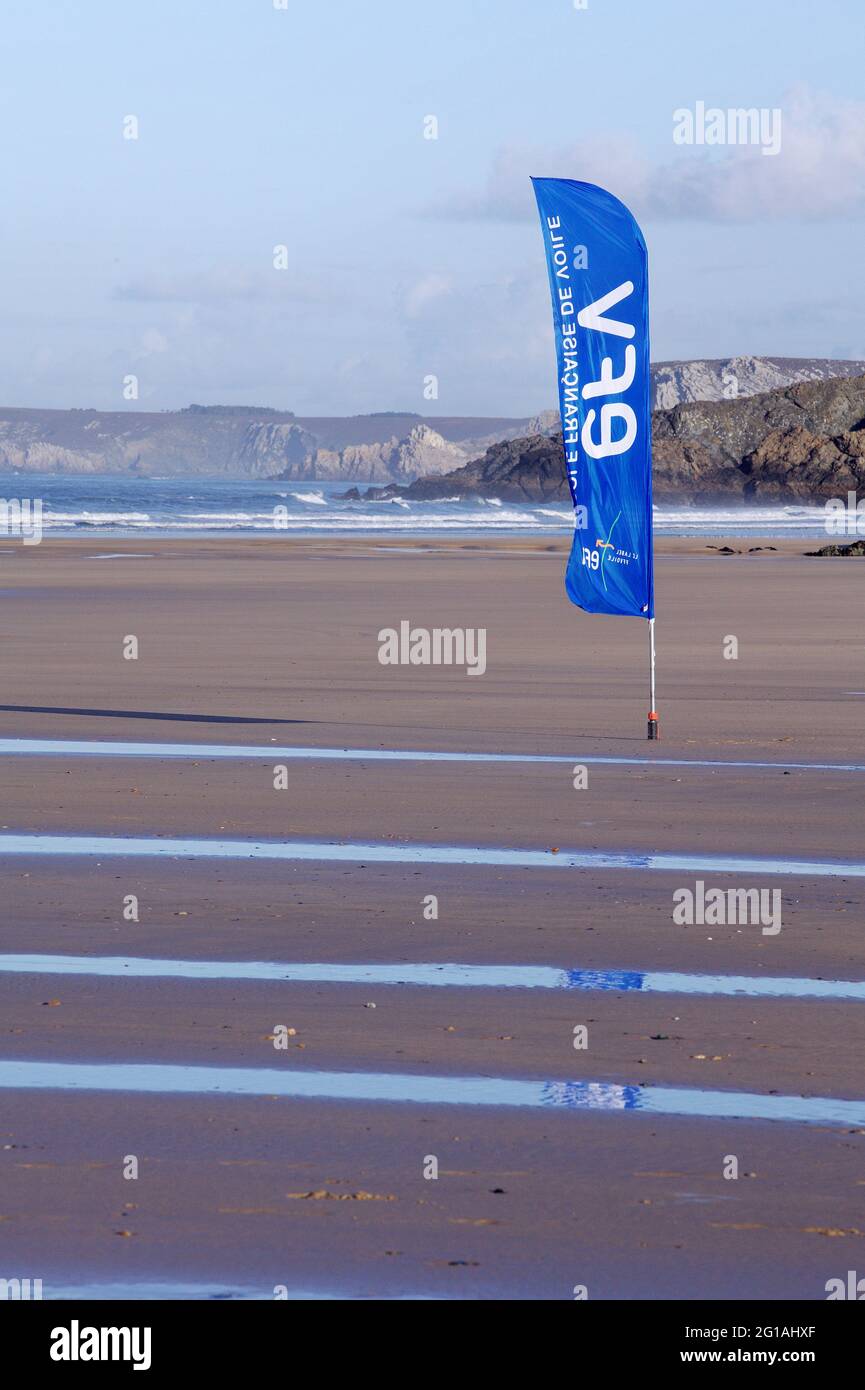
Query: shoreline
x=377, y=542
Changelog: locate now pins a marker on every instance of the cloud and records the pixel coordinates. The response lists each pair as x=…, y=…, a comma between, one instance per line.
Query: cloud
x=152, y=341
x=507, y=196
x=425, y=292
x=818, y=174
x=219, y=286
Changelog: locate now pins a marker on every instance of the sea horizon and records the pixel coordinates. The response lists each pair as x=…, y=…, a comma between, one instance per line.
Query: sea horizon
x=114, y=505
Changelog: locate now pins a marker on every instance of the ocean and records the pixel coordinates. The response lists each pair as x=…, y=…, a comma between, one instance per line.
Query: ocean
x=122, y=506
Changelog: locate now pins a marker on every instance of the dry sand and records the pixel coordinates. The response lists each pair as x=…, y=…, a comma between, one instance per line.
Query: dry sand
x=259, y=641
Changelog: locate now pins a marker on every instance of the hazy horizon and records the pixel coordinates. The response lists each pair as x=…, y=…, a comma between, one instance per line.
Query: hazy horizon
x=431, y=409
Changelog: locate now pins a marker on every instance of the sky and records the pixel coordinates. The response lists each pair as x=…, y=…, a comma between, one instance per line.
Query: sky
x=303, y=124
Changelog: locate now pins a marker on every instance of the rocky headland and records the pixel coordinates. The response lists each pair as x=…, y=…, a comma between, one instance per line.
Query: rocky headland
x=801, y=443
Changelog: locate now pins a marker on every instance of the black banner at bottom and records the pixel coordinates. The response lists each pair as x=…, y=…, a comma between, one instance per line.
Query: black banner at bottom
x=67, y=1338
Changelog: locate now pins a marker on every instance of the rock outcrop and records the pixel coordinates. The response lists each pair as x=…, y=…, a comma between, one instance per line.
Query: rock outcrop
x=516, y=470
x=803, y=443
x=796, y=444
x=264, y=447
x=423, y=452
x=548, y=422
x=856, y=549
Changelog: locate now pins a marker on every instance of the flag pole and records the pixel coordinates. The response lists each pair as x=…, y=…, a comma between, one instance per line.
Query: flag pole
x=654, y=729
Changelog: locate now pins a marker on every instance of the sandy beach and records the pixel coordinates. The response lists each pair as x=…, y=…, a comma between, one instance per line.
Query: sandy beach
x=265, y=643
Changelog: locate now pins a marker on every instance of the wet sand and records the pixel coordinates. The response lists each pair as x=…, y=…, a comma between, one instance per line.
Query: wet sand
x=253, y=642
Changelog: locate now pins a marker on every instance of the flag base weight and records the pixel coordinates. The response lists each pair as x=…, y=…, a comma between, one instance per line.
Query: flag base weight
x=654, y=729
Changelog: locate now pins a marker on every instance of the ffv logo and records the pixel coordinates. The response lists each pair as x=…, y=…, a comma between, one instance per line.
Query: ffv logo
x=604, y=443
x=593, y=314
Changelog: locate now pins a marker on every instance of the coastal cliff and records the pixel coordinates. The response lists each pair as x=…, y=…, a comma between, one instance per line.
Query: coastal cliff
x=396, y=447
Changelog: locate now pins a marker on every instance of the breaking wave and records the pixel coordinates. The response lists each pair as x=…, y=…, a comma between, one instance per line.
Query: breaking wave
x=132, y=506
